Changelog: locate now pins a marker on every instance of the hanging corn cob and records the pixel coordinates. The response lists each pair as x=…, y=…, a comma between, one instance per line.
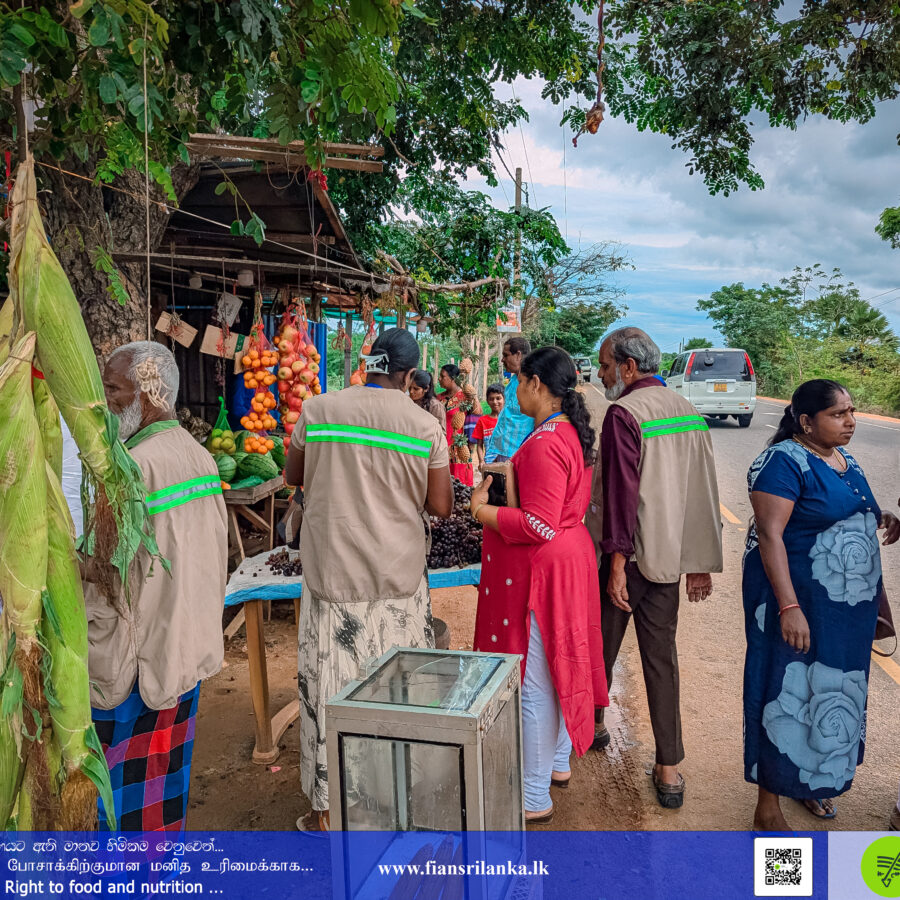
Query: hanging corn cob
x=83, y=769
x=46, y=305
x=23, y=557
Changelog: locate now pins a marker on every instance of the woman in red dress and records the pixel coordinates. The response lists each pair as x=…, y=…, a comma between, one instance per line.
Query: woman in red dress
x=456, y=403
x=539, y=594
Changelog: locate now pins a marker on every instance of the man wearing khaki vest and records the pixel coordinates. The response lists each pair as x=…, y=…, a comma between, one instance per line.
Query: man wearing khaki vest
x=660, y=520
x=149, y=651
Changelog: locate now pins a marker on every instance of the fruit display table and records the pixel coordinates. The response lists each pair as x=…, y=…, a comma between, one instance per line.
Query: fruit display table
x=251, y=584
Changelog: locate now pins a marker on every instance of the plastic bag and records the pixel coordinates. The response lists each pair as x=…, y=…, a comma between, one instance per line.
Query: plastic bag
x=298, y=366
x=259, y=358
x=221, y=439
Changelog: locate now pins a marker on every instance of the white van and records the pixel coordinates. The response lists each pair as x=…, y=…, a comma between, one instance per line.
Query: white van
x=719, y=382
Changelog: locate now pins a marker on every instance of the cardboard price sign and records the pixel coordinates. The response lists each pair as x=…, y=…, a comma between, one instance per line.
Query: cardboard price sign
x=174, y=328
x=216, y=344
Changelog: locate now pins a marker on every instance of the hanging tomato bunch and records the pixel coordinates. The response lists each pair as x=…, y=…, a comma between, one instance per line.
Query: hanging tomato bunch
x=260, y=357
x=298, y=367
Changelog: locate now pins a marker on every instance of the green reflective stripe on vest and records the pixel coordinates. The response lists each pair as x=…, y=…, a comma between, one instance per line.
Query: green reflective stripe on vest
x=677, y=425
x=183, y=492
x=368, y=437
x=678, y=420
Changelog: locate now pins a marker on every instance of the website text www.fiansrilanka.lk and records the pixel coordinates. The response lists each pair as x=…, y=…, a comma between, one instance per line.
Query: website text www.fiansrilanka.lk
x=481, y=867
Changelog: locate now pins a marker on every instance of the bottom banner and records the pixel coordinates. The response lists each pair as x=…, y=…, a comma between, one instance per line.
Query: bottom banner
x=425, y=865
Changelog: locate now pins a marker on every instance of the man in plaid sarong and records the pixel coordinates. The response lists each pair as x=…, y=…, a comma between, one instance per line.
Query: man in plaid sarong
x=150, y=651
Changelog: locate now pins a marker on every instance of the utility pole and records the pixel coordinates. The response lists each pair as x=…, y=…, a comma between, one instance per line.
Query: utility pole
x=517, y=268
x=517, y=271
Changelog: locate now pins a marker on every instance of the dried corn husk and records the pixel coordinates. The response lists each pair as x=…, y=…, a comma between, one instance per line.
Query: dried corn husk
x=6, y=328
x=46, y=304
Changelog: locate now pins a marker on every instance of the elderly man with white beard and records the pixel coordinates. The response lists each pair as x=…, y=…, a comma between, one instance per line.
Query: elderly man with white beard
x=661, y=520
x=150, y=649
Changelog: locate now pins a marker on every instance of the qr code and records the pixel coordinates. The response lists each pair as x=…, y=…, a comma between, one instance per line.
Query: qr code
x=783, y=867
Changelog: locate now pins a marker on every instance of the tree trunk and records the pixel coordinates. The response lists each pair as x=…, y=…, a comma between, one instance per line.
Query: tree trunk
x=83, y=217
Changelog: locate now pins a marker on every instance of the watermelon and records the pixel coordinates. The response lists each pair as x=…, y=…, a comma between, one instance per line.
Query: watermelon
x=260, y=464
x=226, y=466
x=278, y=453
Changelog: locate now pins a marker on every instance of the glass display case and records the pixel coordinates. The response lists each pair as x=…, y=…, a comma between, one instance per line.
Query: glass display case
x=427, y=741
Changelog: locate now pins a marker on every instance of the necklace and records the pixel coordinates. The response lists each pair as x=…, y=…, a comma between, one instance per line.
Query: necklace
x=834, y=459
x=551, y=416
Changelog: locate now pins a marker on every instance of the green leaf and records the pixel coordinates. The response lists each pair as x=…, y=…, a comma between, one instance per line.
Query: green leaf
x=80, y=7
x=107, y=89
x=221, y=187
x=57, y=36
x=237, y=228
x=22, y=34
x=9, y=70
x=136, y=108
x=96, y=768
x=98, y=33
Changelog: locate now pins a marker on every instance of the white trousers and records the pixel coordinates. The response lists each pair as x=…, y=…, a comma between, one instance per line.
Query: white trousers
x=546, y=743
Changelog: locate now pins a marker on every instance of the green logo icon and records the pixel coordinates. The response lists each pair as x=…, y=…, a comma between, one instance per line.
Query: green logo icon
x=881, y=867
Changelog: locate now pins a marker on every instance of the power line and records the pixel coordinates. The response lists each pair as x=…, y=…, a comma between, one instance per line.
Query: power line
x=525, y=149
x=565, y=183
x=884, y=294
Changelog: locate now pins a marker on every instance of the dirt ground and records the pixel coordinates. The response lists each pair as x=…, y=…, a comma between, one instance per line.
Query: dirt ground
x=228, y=791
x=610, y=790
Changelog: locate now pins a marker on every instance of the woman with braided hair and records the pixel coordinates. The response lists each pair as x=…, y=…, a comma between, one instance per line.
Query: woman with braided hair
x=539, y=595
x=811, y=587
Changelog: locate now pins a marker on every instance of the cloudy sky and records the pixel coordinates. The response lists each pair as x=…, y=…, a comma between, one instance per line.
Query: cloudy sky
x=826, y=185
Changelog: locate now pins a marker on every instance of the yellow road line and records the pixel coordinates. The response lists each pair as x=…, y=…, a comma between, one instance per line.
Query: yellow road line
x=889, y=666
x=729, y=515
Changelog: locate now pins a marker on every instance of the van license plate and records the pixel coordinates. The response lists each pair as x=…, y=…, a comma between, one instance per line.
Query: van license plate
x=720, y=387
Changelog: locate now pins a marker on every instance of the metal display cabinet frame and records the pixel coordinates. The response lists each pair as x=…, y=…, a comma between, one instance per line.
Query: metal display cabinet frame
x=465, y=730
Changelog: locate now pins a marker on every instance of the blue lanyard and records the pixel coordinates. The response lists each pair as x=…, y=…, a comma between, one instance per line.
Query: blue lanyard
x=379, y=386
x=549, y=418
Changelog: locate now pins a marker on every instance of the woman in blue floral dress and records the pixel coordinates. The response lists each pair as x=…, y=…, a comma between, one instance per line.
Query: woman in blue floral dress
x=812, y=580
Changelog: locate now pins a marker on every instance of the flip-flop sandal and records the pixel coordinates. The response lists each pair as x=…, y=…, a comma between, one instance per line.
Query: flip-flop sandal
x=545, y=819
x=820, y=804
x=669, y=796
x=311, y=825
x=601, y=738
x=560, y=782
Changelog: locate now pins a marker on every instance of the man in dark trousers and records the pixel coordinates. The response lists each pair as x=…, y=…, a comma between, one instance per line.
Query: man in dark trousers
x=661, y=520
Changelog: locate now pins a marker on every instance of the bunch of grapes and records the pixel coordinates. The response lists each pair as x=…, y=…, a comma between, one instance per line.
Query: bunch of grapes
x=285, y=564
x=456, y=541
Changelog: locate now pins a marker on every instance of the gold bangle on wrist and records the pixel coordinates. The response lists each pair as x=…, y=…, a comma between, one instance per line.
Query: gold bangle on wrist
x=478, y=510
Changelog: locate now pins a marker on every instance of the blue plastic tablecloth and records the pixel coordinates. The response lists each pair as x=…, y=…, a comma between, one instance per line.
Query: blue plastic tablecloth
x=267, y=587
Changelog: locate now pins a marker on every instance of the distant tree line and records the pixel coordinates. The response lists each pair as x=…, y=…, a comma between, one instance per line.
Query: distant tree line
x=812, y=324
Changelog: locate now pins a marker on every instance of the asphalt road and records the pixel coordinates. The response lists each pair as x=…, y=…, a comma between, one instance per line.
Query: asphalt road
x=711, y=650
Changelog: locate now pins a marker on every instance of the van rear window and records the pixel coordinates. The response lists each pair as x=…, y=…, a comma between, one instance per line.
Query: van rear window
x=719, y=364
